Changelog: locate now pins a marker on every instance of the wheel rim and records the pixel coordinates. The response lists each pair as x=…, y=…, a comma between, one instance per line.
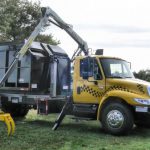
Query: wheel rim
x=115, y=119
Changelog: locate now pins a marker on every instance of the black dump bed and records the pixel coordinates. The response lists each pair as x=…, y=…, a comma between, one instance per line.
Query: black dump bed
x=35, y=72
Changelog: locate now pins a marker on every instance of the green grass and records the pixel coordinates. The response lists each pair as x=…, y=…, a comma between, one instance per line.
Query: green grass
x=35, y=133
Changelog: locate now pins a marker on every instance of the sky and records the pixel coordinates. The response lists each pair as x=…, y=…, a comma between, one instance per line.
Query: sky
x=120, y=27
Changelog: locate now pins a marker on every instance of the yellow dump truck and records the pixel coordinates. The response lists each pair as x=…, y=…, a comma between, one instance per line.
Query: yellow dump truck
x=106, y=86
x=38, y=75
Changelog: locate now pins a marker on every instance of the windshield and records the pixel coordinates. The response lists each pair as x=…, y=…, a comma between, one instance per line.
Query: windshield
x=116, y=68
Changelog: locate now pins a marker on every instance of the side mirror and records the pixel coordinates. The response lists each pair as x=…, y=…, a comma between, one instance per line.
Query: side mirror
x=85, y=69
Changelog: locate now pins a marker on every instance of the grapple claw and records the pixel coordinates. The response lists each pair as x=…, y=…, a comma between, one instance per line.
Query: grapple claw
x=6, y=117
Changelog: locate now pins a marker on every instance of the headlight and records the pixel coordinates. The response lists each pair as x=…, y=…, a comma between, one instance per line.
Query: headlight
x=142, y=101
x=148, y=89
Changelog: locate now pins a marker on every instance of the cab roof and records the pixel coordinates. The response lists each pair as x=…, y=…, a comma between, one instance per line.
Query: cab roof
x=99, y=56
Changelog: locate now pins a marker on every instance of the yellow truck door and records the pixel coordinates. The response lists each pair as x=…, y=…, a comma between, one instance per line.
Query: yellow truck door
x=88, y=81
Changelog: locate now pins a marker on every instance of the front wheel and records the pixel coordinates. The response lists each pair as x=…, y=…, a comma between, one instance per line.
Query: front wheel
x=117, y=118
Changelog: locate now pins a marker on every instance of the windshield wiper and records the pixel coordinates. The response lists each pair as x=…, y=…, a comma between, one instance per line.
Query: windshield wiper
x=128, y=77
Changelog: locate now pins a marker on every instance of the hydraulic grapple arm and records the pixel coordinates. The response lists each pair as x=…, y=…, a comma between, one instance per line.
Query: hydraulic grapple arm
x=5, y=117
x=48, y=16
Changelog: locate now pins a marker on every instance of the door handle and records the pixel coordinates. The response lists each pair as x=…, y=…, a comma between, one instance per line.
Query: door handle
x=78, y=90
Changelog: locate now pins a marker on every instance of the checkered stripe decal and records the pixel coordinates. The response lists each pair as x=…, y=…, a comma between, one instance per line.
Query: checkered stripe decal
x=116, y=87
x=91, y=91
x=95, y=93
x=141, y=88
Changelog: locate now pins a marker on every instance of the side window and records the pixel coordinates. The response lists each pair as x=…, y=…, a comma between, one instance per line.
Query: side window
x=89, y=67
x=116, y=69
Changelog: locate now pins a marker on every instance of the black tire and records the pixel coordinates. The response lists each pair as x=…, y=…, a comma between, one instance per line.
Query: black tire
x=16, y=110
x=122, y=122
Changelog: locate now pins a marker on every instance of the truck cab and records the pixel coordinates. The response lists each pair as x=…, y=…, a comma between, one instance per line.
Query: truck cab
x=106, y=89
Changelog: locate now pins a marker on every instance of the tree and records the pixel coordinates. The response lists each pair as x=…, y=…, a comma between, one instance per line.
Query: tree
x=47, y=39
x=18, y=20
x=143, y=74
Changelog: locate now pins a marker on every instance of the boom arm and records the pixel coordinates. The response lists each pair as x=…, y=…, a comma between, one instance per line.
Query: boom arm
x=63, y=25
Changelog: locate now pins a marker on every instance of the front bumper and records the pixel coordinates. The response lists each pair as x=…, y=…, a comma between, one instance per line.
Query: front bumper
x=142, y=109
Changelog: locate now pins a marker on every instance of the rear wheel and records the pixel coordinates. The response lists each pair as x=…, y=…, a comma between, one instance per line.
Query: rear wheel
x=16, y=110
x=117, y=118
